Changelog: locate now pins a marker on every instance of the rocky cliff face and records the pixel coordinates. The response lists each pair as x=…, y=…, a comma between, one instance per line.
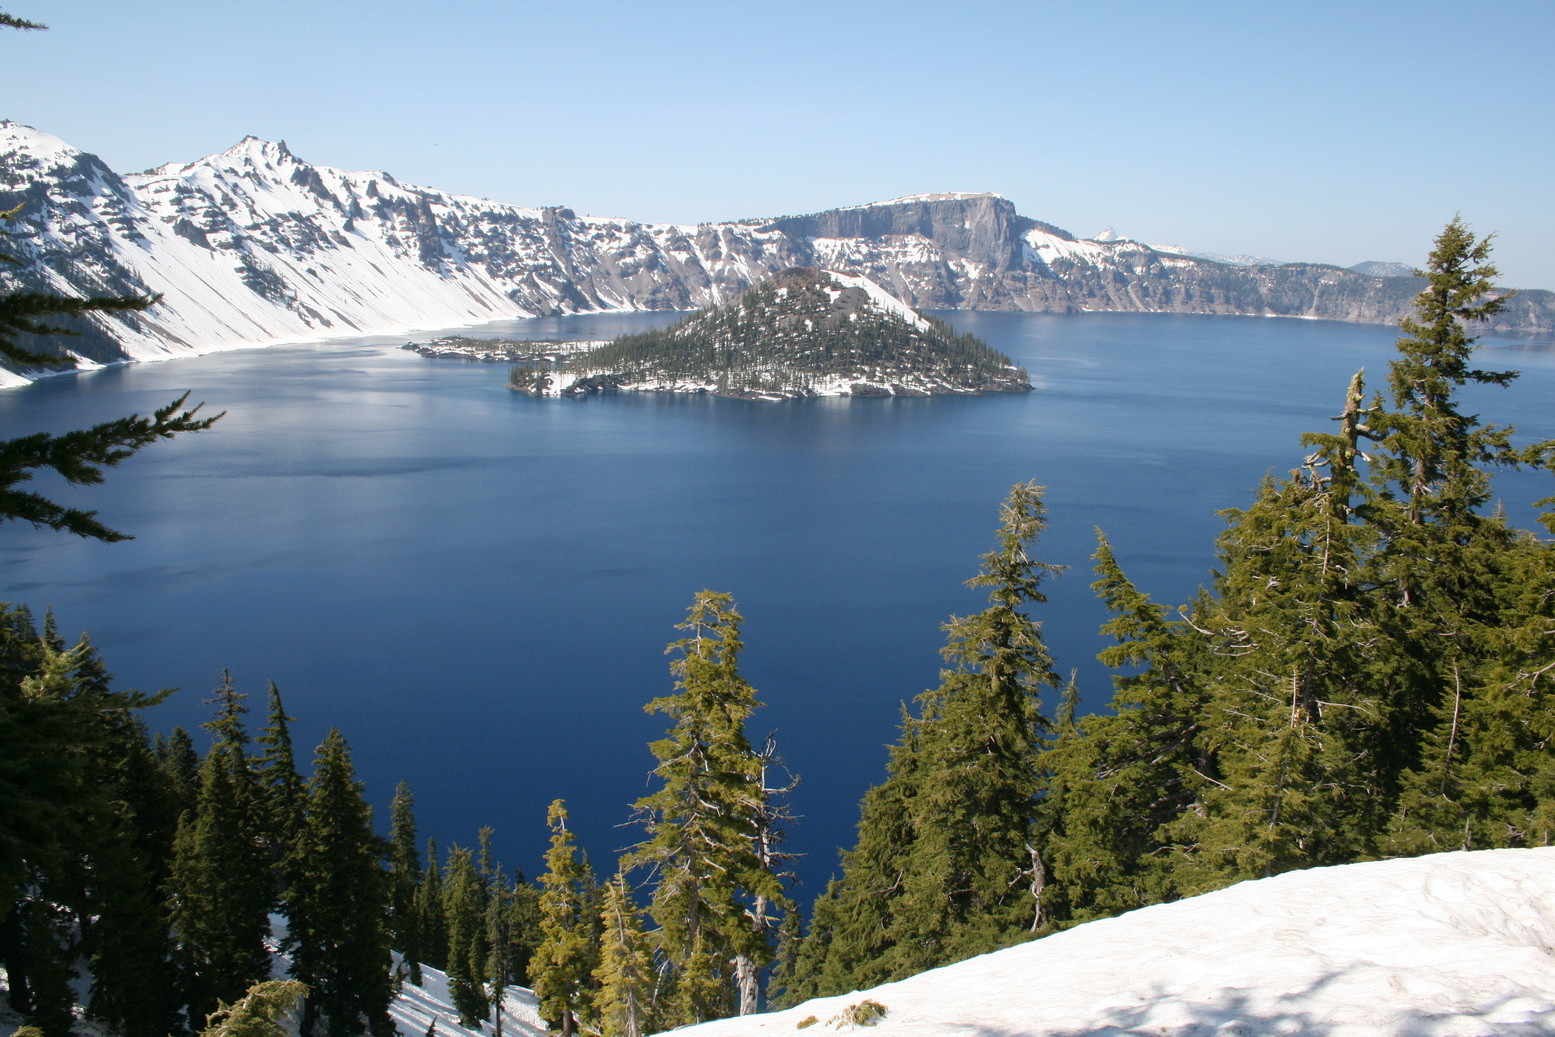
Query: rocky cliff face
x=254, y=245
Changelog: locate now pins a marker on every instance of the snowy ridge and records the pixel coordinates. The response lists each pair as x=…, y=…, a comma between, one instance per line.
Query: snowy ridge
x=1452, y=944
x=254, y=245
x=879, y=298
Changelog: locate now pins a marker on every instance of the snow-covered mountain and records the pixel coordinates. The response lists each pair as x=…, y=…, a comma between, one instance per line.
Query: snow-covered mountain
x=1454, y=944
x=254, y=245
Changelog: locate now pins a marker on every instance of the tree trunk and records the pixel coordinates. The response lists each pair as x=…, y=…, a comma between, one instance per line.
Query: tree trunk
x=746, y=981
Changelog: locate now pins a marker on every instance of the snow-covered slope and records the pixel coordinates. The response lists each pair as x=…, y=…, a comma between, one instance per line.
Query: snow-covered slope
x=418, y=1009
x=255, y=245
x=1452, y=944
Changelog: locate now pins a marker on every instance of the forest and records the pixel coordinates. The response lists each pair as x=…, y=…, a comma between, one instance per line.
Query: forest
x=1368, y=674
x=787, y=335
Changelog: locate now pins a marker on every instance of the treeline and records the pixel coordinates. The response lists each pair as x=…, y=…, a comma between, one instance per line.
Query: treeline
x=1369, y=674
x=131, y=862
x=787, y=333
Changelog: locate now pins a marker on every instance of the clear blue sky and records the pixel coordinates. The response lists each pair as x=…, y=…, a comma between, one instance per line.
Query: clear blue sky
x=1298, y=130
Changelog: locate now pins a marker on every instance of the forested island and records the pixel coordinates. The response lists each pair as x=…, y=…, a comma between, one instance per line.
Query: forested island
x=804, y=332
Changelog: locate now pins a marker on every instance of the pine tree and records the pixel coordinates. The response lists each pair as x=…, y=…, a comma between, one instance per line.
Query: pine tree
x=405, y=921
x=500, y=957
x=431, y=913
x=262, y=1012
x=625, y=975
x=181, y=764
x=524, y=928
x=277, y=770
x=465, y=907
x=703, y=824
x=338, y=900
x=563, y=963
x=221, y=886
x=946, y=853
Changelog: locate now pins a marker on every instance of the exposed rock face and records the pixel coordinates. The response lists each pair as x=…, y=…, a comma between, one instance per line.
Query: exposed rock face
x=254, y=245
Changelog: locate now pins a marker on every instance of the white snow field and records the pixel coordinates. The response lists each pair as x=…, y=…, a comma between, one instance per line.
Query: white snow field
x=419, y=1008
x=1450, y=945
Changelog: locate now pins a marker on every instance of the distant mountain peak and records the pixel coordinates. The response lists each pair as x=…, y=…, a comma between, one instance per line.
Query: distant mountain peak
x=258, y=151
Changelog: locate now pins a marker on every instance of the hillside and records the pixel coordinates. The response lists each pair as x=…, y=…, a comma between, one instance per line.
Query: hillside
x=256, y=245
x=1454, y=943
x=804, y=332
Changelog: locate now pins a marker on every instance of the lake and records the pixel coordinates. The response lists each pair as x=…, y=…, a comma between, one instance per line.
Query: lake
x=477, y=587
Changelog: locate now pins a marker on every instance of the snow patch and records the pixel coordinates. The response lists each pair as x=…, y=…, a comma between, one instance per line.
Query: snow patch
x=1453, y=944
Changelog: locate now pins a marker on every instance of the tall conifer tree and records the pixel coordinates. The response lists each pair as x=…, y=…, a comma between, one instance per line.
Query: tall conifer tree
x=338, y=902
x=464, y=905
x=704, y=823
x=946, y=846
x=563, y=963
x=405, y=922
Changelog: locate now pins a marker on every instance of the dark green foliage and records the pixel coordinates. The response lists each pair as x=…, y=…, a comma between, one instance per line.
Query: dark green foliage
x=1371, y=674
x=464, y=905
x=1115, y=779
x=711, y=886
x=285, y=796
x=337, y=902
x=84, y=831
x=221, y=886
x=429, y=911
x=789, y=333
x=79, y=457
x=946, y=864
x=405, y=923
x=524, y=928
x=181, y=764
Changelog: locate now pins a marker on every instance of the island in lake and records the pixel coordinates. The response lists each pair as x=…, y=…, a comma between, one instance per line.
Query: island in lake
x=803, y=332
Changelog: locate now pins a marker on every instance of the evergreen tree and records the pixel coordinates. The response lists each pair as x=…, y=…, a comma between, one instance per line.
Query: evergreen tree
x=337, y=902
x=464, y=904
x=500, y=957
x=430, y=912
x=221, y=886
x=563, y=963
x=181, y=764
x=405, y=922
x=524, y=928
x=704, y=823
x=262, y=1012
x=277, y=768
x=625, y=975
x=946, y=853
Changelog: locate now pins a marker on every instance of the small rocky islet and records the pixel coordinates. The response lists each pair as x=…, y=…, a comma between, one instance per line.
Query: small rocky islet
x=804, y=332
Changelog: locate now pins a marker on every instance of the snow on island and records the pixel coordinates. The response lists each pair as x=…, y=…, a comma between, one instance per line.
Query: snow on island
x=1453, y=944
x=804, y=332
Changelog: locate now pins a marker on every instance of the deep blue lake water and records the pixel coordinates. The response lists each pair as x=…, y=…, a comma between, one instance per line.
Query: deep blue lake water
x=477, y=587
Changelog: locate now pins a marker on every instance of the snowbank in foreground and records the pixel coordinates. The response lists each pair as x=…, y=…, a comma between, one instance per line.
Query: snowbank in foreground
x=1453, y=944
